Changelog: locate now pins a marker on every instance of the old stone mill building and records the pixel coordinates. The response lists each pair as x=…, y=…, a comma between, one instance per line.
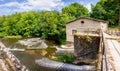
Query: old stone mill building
x=82, y=25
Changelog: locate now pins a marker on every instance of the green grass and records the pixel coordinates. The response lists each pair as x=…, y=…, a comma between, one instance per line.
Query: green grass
x=64, y=58
x=13, y=36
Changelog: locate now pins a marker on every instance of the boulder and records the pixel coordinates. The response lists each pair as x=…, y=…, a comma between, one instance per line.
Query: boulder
x=33, y=43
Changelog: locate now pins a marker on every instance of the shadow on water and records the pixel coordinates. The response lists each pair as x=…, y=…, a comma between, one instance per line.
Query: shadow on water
x=28, y=57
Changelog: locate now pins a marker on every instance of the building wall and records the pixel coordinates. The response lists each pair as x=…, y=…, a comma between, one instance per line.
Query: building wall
x=88, y=25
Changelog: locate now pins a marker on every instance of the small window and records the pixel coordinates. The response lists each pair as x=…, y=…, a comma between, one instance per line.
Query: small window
x=82, y=22
x=74, y=31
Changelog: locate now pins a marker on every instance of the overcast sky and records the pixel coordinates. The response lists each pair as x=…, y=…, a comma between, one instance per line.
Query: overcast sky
x=12, y=6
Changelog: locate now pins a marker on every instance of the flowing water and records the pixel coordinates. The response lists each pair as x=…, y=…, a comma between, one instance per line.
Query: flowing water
x=28, y=57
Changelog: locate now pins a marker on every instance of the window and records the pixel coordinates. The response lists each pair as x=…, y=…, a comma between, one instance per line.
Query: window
x=82, y=22
x=74, y=31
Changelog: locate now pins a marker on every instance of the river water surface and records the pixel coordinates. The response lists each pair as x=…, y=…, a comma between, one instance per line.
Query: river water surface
x=28, y=57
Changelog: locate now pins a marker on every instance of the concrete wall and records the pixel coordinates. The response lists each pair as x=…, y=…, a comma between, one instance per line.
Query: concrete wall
x=88, y=25
x=86, y=48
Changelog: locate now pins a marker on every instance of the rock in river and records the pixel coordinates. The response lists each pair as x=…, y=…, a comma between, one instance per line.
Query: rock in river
x=33, y=43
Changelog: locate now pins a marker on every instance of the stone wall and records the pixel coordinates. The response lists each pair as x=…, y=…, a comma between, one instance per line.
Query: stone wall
x=86, y=48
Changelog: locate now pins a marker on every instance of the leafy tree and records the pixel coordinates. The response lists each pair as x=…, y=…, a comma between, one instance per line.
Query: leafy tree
x=75, y=10
x=107, y=10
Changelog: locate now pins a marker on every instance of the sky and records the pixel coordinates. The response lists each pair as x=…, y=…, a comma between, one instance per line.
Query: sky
x=8, y=7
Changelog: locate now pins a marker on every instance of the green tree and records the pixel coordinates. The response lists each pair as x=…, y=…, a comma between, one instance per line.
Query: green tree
x=107, y=10
x=75, y=10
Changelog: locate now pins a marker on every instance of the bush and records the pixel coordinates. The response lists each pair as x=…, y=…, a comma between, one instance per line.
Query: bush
x=65, y=58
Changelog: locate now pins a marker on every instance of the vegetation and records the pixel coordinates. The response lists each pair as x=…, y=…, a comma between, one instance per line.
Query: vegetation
x=69, y=58
x=107, y=10
x=50, y=25
x=88, y=38
x=75, y=10
x=13, y=36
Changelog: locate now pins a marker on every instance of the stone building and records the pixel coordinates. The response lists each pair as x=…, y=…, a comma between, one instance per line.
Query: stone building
x=82, y=25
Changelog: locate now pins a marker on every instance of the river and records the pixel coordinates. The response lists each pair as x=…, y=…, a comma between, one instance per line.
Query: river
x=28, y=57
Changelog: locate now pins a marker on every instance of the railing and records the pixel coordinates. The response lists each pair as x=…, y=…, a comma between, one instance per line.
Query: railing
x=102, y=54
x=18, y=65
x=99, y=55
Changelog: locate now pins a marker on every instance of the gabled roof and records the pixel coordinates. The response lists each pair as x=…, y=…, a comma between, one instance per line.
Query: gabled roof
x=89, y=19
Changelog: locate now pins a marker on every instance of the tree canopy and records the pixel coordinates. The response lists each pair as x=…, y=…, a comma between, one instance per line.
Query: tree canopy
x=46, y=24
x=107, y=10
x=75, y=10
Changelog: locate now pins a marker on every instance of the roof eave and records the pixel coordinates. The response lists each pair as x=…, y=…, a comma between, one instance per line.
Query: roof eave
x=88, y=18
